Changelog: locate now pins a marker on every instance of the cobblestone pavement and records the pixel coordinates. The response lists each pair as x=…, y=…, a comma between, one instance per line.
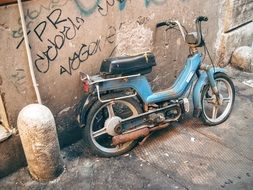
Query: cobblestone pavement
x=187, y=155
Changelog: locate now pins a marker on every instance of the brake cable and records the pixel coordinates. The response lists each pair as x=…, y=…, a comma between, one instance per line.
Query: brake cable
x=205, y=47
x=206, y=50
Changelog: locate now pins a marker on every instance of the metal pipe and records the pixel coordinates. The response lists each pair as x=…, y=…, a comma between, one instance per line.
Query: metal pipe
x=28, y=51
x=120, y=139
x=113, y=99
x=180, y=28
x=142, y=132
x=111, y=79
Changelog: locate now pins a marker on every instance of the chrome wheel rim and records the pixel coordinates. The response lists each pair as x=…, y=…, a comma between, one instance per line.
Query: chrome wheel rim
x=214, y=112
x=98, y=129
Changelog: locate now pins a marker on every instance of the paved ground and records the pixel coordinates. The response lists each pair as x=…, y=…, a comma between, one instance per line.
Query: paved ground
x=188, y=155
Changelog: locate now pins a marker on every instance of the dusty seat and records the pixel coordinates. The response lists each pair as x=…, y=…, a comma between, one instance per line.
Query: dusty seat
x=130, y=65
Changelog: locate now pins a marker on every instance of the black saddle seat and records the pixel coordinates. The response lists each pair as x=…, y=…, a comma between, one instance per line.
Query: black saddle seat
x=129, y=65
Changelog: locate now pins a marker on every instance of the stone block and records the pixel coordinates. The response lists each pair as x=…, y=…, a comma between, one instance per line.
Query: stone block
x=242, y=58
x=229, y=42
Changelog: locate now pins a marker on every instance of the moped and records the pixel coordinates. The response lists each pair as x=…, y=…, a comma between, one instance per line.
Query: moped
x=121, y=109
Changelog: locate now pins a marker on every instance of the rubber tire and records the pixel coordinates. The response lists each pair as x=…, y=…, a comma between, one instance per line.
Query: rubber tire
x=203, y=117
x=86, y=132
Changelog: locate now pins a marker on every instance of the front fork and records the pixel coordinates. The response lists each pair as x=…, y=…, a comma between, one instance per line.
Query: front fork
x=210, y=76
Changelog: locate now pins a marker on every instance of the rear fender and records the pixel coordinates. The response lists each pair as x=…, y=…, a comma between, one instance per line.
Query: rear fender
x=85, y=108
x=200, y=84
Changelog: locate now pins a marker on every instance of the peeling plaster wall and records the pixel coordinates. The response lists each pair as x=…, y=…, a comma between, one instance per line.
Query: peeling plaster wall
x=133, y=38
x=69, y=36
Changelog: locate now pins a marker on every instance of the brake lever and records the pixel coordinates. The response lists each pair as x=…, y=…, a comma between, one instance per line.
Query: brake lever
x=171, y=22
x=170, y=27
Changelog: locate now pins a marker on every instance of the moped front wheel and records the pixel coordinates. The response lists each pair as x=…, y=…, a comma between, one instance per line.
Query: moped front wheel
x=214, y=113
x=101, y=121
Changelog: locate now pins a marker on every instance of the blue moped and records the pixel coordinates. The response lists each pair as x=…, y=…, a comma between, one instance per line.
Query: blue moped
x=121, y=109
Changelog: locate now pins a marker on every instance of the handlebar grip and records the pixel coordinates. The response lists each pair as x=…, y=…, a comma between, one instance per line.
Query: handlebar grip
x=202, y=18
x=160, y=24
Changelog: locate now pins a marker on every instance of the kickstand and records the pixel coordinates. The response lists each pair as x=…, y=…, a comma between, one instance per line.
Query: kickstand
x=145, y=138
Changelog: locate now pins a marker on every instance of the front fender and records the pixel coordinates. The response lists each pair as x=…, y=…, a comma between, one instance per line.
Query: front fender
x=202, y=81
x=85, y=107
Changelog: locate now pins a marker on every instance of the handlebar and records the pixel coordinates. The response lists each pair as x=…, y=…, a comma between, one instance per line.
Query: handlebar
x=166, y=23
x=160, y=24
x=198, y=28
x=202, y=18
x=172, y=23
x=198, y=21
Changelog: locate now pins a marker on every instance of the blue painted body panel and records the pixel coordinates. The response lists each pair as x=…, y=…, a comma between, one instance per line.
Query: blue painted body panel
x=202, y=81
x=182, y=83
x=139, y=84
x=142, y=87
x=177, y=90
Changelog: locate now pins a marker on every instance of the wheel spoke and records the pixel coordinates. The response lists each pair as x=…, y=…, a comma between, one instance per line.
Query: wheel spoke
x=104, y=119
x=215, y=112
x=226, y=100
x=99, y=132
x=110, y=110
x=217, y=85
x=209, y=100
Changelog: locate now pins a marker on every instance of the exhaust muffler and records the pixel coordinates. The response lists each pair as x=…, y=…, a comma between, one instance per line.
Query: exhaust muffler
x=120, y=139
x=144, y=132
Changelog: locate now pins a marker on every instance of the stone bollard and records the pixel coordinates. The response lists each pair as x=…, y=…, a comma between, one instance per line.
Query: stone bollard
x=39, y=139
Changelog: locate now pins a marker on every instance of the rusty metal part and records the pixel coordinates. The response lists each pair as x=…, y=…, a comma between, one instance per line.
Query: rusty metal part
x=120, y=139
x=128, y=122
x=138, y=128
x=151, y=130
x=205, y=67
x=144, y=132
x=162, y=126
x=145, y=107
x=144, y=139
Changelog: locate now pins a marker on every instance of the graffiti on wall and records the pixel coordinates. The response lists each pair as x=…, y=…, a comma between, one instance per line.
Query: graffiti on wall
x=80, y=56
x=97, y=5
x=31, y=15
x=87, y=50
x=103, y=6
x=84, y=10
x=65, y=29
x=19, y=80
x=156, y=2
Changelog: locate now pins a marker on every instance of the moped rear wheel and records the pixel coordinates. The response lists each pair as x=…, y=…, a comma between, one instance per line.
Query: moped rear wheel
x=212, y=112
x=98, y=133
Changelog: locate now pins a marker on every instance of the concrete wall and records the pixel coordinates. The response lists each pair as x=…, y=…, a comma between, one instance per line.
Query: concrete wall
x=235, y=28
x=68, y=36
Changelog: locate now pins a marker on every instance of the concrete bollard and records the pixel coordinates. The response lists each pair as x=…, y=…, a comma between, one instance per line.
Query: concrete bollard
x=38, y=135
